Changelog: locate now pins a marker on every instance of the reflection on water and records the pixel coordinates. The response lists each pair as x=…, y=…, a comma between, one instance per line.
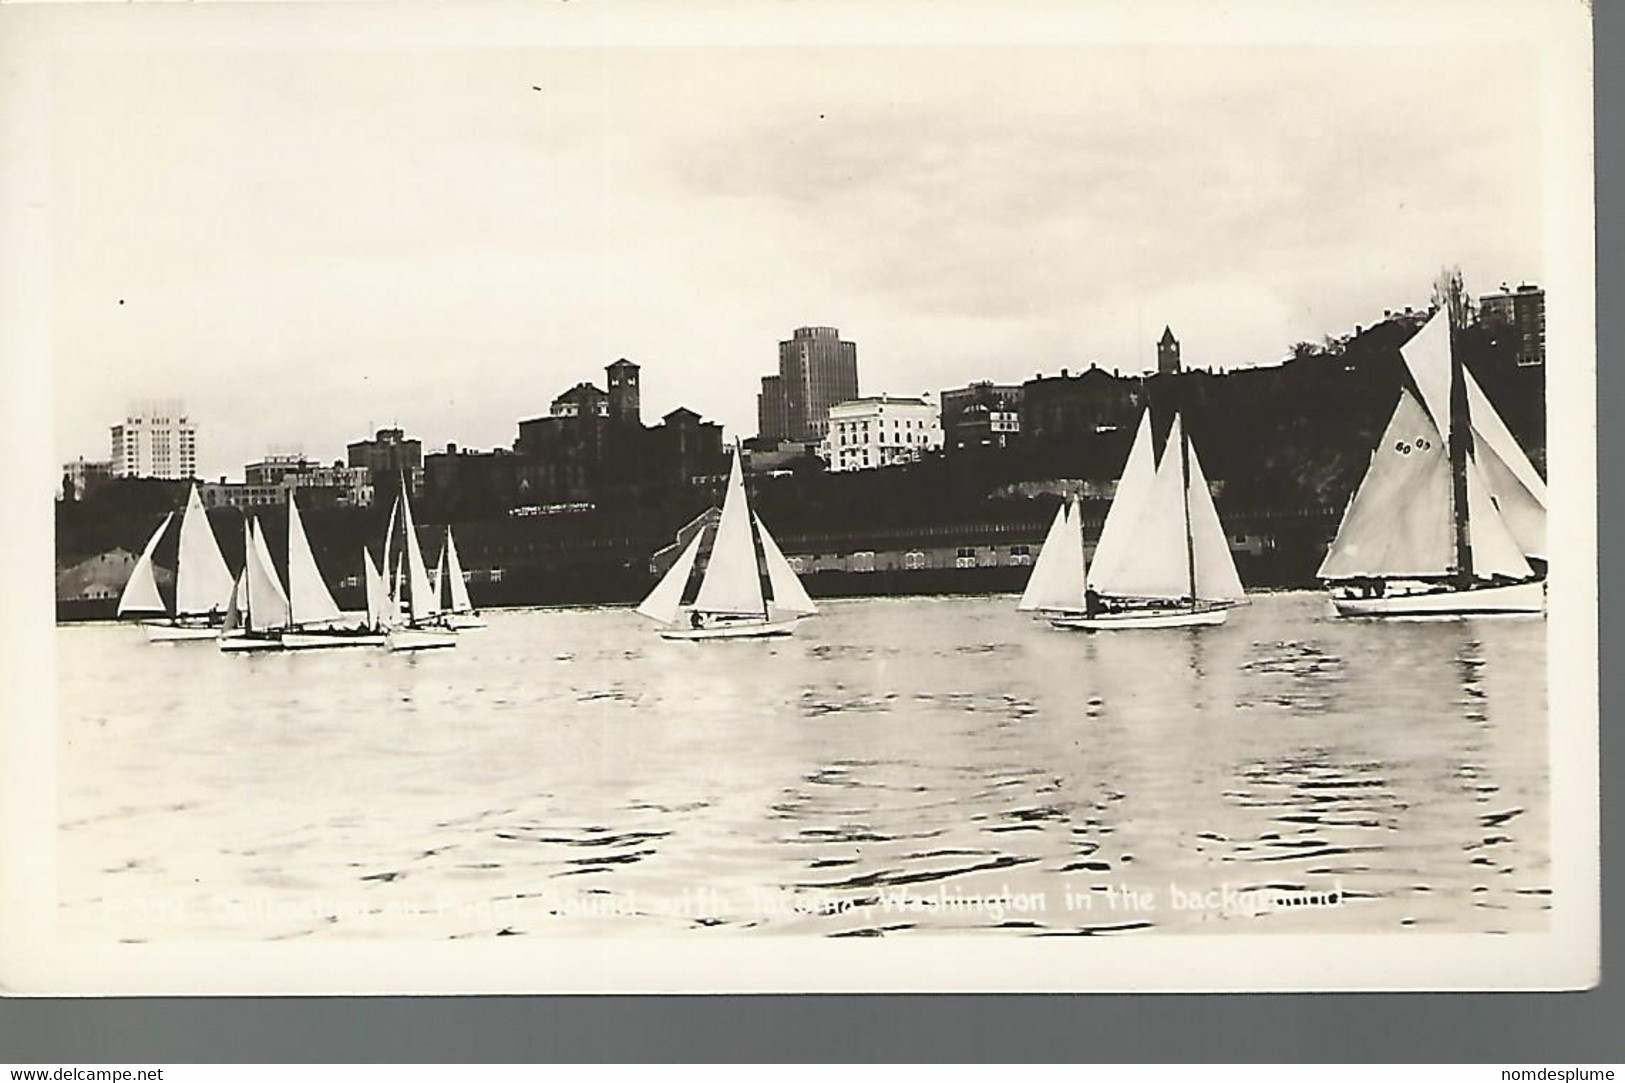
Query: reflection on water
x=899, y=764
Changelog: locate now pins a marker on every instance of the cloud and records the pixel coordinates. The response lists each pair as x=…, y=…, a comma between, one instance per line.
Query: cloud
x=309, y=242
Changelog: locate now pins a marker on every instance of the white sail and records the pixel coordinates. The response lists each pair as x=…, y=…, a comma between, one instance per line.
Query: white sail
x=1041, y=590
x=1495, y=551
x=1519, y=492
x=732, y=583
x=460, y=601
x=395, y=591
x=389, y=539
x=789, y=596
x=310, y=602
x=1398, y=522
x=437, y=576
x=1139, y=470
x=140, y=593
x=234, y=606
x=1155, y=562
x=202, y=581
x=269, y=602
x=1216, y=577
x=1427, y=356
x=422, y=602
x=666, y=599
x=377, y=592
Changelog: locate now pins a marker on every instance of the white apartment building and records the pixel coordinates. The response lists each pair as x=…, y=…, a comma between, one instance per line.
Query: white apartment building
x=880, y=431
x=157, y=440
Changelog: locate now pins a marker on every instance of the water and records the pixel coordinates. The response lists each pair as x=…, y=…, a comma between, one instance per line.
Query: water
x=900, y=765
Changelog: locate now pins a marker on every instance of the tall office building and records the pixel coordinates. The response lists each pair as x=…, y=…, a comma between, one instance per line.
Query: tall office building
x=816, y=371
x=157, y=440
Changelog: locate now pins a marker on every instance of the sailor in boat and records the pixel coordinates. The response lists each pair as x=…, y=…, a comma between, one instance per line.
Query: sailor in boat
x=696, y=620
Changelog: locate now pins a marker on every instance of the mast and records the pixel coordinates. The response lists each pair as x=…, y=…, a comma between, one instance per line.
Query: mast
x=248, y=588
x=758, y=552
x=1461, y=431
x=1185, y=477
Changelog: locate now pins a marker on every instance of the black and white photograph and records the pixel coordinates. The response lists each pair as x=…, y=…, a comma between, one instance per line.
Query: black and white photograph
x=620, y=497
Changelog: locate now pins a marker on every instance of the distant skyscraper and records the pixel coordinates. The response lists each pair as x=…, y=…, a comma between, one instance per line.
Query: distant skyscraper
x=772, y=412
x=1167, y=353
x=157, y=440
x=816, y=371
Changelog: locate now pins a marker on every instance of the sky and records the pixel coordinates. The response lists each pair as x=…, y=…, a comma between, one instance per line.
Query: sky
x=306, y=245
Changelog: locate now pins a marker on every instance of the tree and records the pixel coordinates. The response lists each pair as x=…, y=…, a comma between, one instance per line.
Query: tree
x=1450, y=294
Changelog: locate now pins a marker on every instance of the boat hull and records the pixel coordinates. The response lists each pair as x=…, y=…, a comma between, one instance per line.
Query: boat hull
x=240, y=644
x=741, y=630
x=1511, y=598
x=462, y=622
x=312, y=641
x=1143, y=618
x=163, y=632
x=419, y=639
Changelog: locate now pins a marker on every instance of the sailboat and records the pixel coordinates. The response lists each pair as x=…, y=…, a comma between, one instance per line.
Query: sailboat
x=203, y=583
x=260, y=600
x=313, y=615
x=731, y=603
x=1450, y=512
x=1056, y=584
x=460, y=613
x=415, y=623
x=1162, y=560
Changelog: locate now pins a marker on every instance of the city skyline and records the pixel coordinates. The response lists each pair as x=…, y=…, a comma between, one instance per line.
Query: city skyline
x=444, y=251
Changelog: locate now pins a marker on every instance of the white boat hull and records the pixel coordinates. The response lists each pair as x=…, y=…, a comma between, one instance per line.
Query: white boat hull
x=738, y=630
x=462, y=622
x=162, y=632
x=1143, y=618
x=310, y=641
x=237, y=643
x=419, y=639
x=1527, y=597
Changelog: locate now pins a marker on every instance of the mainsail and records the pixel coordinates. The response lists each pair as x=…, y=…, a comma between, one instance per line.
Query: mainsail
x=732, y=583
x=1127, y=502
x=1495, y=551
x=421, y=600
x=268, y=602
x=1040, y=592
x=789, y=596
x=389, y=538
x=310, y=602
x=1060, y=569
x=460, y=601
x=1216, y=576
x=234, y=607
x=140, y=593
x=1155, y=561
x=1511, y=479
x=1398, y=521
x=202, y=581
x=666, y=599
x=377, y=592
x=437, y=576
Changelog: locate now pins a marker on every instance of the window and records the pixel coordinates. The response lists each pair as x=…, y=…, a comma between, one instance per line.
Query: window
x=494, y=575
x=863, y=561
x=965, y=557
x=914, y=560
